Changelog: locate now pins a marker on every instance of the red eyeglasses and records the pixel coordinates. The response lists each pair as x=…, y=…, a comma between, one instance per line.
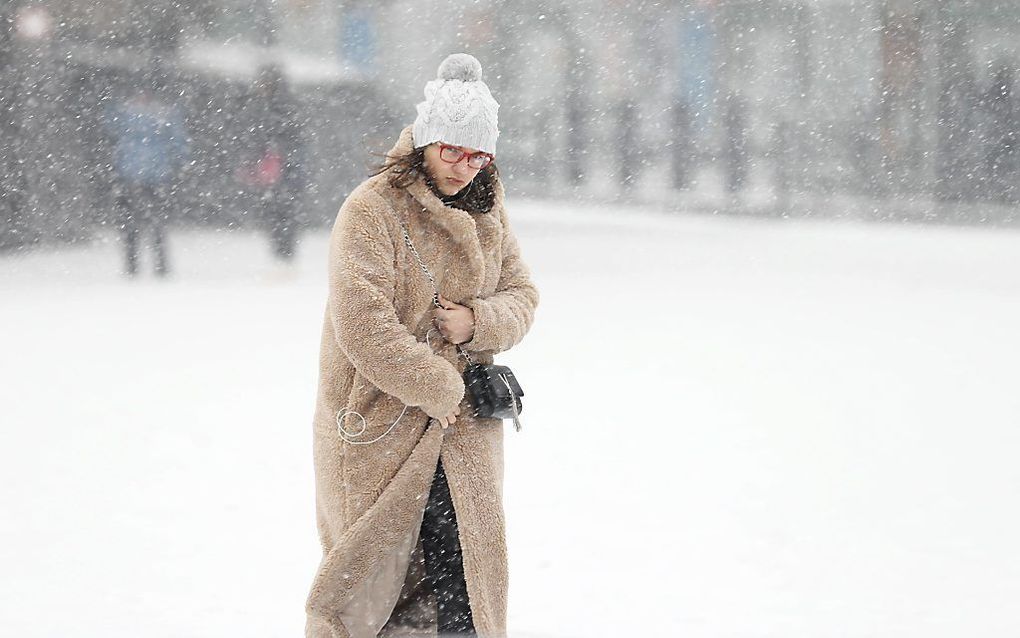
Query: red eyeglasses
x=454, y=154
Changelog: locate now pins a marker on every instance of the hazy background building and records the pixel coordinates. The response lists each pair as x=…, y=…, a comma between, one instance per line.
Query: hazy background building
x=898, y=109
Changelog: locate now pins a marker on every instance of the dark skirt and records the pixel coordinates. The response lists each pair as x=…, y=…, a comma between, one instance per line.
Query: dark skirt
x=434, y=592
x=444, y=564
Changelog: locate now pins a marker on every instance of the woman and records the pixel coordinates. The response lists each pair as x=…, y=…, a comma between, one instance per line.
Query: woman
x=408, y=481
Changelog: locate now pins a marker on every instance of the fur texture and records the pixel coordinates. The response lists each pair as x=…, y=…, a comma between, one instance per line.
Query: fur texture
x=374, y=360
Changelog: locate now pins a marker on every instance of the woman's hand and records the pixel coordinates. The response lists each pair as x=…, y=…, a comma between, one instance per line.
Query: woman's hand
x=456, y=322
x=448, y=420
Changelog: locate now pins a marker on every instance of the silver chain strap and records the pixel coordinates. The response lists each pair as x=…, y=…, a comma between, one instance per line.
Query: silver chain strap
x=432, y=280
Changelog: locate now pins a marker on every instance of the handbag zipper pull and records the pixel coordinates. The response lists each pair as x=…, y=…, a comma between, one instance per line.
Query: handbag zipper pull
x=513, y=402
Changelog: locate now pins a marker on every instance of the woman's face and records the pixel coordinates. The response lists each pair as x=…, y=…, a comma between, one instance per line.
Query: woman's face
x=449, y=178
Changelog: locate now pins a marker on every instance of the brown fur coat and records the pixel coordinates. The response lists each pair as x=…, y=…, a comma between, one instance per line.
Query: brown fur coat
x=374, y=360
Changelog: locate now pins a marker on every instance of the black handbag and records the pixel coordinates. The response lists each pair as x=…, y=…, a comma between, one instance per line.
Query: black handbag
x=492, y=389
x=494, y=392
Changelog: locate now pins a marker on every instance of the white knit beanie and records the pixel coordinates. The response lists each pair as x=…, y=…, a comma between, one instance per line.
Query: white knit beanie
x=458, y=108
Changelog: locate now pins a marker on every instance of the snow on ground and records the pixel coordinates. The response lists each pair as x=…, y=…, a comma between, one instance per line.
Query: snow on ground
x=732, y=428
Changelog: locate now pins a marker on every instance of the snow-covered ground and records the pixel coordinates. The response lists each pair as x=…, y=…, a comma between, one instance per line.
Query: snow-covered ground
x=733, y=428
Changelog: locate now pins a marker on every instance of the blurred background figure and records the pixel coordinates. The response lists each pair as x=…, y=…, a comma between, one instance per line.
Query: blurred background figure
x=274, y=165
x=150, y=148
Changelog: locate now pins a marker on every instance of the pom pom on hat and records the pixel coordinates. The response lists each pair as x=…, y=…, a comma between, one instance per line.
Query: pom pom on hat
x=460, y=66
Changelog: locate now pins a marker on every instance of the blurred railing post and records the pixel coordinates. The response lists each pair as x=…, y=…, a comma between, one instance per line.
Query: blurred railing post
x=735, y=145
x=628, y=150
x=954, y=85
x=782, y=143
x=681, y=142
x=13, y=228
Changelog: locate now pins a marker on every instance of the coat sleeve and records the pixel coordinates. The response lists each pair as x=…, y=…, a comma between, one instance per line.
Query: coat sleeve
x=503, y=318
x=365, y=322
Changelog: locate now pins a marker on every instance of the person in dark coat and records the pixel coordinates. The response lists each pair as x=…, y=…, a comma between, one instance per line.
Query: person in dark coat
x=150, y=147
x=275, y=169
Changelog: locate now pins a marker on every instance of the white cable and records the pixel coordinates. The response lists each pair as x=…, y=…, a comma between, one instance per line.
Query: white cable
x=348, y=436
x=427, y=341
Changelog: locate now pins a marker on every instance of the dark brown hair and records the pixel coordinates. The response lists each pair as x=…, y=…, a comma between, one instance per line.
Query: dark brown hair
x=407, y=168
